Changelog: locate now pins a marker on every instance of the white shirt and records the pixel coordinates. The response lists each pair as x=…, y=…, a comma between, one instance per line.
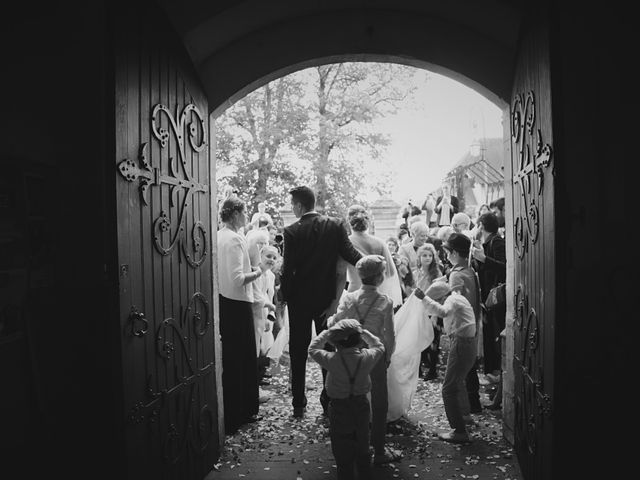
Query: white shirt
x=233, y=266
x=445, y=215
x=457, y=315
x=263, y=289
x=379, y=319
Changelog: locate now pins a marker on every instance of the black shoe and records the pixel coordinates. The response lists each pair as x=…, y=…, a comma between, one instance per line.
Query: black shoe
x=476, y=409
x=431, y=376
x=298, y=412
x=394, y=428
x=253, y=418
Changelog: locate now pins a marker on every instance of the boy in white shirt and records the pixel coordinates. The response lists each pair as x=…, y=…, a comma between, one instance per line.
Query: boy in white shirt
x=460, y=324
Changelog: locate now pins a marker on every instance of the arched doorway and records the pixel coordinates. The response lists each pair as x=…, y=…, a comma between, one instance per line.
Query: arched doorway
x=470, y=46
x=225, y=46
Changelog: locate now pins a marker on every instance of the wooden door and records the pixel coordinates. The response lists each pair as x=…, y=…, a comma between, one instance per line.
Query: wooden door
x=532, y=196
x=164, y=216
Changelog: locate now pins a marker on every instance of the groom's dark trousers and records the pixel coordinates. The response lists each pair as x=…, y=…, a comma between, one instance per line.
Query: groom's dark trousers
x=312, y=246
x=300, y=320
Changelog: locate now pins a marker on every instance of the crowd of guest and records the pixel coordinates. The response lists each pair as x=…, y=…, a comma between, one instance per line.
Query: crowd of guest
x=485, y=257
x=282, y=287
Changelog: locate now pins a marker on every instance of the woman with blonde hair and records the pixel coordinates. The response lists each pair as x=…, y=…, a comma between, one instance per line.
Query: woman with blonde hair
x=368, y=244
x=235, y=279
x=428, y=270
x=428, y=267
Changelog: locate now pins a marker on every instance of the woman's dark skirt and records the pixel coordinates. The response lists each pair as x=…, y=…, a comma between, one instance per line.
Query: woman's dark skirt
x=239, y=367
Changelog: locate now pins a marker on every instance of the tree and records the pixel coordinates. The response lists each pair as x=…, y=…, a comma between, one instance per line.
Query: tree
x=250, y=135
x=311, y=127
x=350, y=97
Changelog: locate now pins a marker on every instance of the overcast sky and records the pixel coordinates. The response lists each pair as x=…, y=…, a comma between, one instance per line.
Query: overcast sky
x=433, y=133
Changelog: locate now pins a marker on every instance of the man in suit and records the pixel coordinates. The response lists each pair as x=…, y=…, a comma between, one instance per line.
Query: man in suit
x=309, y=283
x=447, y=206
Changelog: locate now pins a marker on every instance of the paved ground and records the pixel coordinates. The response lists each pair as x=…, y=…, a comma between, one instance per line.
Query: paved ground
x=282, y=447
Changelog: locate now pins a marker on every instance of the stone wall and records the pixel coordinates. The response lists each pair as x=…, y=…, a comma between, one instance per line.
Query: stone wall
x=384, y=213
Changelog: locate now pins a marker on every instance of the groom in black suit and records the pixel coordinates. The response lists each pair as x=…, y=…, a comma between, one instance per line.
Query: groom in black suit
x=312, y=246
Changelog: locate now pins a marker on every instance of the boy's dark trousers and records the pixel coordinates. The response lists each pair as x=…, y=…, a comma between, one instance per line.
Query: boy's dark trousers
x=379, y=405
x=349, y=429
x=473, y=389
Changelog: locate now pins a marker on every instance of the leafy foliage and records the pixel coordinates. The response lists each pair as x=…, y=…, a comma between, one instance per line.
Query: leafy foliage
x=312, y=127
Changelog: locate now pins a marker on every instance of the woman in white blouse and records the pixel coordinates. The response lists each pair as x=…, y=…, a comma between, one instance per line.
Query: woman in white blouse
x=235, y=275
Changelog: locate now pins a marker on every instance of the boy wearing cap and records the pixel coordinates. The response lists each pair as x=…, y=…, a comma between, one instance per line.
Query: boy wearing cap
x=374, y=311
x=463, y=279
x=460, y=324
x=347, y=384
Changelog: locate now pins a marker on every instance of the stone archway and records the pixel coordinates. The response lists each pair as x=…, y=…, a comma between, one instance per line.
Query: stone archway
x=386, y=209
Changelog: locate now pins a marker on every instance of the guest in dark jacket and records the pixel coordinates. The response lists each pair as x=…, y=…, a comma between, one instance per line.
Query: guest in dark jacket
x=490, y=263
x=312, y=247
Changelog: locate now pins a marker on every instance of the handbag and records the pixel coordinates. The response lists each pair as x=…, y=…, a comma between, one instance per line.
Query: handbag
x=497, y=296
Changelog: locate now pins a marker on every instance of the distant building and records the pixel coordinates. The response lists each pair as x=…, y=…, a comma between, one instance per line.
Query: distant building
x=478, y=177
x=384, y=213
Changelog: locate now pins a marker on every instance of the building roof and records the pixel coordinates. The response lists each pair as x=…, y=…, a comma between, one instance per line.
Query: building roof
x=487, y=166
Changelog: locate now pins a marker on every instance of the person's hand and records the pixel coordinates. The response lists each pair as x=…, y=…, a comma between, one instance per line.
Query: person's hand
x=478, y=254
x=332, y=308
x=403, y=270
x=418, y=293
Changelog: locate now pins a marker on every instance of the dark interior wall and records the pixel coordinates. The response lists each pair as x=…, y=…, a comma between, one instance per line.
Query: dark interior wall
x=591, y=55
x=55, y=125
x=412, y=38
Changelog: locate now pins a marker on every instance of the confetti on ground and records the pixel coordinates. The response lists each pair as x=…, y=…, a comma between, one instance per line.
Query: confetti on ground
x=281, y=446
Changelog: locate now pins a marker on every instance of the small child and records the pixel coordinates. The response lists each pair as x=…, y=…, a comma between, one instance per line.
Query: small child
x=374, y=310
x=427, y=271
x=262, y=306
x=460, y=326
x=347, y=385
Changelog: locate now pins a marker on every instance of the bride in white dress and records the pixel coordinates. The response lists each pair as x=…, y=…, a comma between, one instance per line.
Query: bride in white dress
x=412, y=325
x=368, y=244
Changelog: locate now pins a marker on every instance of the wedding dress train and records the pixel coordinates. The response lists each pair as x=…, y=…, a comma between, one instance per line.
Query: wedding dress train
x=414, y=332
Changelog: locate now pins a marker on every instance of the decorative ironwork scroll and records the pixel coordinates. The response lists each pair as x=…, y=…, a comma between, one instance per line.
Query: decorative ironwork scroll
x=198, y=312
x=187, y=422
x=532, y=403
x=180, y=180
x=534, y=156
x=139, y=324
x=192, y=426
